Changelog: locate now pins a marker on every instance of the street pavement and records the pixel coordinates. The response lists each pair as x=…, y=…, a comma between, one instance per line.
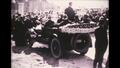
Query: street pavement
x=39, y=57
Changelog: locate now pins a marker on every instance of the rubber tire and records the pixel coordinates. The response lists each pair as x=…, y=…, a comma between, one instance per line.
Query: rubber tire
x=73, y=43
x=59, y=54
x=84, y=52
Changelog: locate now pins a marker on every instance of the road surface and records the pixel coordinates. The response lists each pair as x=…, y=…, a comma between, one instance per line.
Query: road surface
x=39, y=57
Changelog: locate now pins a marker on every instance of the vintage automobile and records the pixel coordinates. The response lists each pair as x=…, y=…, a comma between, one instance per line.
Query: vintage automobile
x=64, y=38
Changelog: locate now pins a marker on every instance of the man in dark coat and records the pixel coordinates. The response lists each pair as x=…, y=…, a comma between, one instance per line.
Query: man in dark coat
x=101, y=42
x=70, y=12
x=49, y=23
x=85, y=19
x=46, y=31
x=65, y=21
x=19, y=32
x=60, y=19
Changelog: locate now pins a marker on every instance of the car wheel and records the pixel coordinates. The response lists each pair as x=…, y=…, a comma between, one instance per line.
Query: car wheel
x=55, y=48
x=84, y=51
x=81, y=43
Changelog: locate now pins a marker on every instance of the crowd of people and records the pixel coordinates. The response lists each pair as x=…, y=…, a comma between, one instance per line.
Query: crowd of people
x=31, y=19
x=20, y=25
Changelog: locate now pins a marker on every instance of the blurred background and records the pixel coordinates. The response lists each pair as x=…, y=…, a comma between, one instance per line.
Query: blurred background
x=37, y=6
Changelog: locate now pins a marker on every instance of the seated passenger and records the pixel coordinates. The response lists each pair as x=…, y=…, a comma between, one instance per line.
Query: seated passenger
x=65, y=21
x=86, y=19
x=49, y=23
x=60, y=19
x=77, y=19
x=45, y=31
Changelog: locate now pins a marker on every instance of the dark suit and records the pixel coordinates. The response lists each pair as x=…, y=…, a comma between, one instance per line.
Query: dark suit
x=47, y=28
x=19, y=33
x=49, y=24
x=59, y=20
x=70, y=13
x=101, y=42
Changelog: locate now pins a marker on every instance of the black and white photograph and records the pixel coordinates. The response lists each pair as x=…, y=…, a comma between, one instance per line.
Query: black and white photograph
x=59, y=33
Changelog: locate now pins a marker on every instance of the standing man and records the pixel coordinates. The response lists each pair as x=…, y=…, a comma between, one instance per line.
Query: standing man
x=101, y=42
x=70, y=12
x=19, y=32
